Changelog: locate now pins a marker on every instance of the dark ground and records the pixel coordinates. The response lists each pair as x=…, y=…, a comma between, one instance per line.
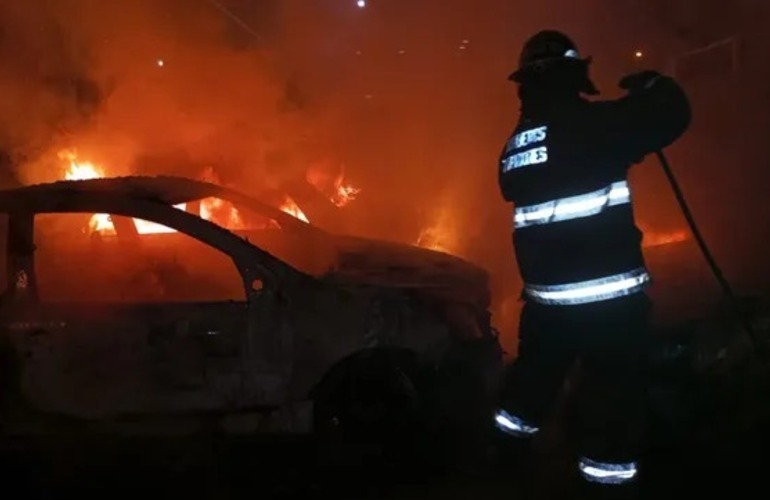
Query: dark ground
x=287, y=467
x=710, y=436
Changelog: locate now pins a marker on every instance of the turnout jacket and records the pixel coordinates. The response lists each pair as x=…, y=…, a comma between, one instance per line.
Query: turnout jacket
x=565, y=169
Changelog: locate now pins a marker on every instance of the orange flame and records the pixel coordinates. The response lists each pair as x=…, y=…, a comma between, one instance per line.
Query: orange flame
x=291, y=208
x=148, y=227
x=437, y=238
x=221, y=212
x=81, y=171
x=217, y=210
x=344, y=193
x=212, y=209
x=441, y=236
x=337, y=189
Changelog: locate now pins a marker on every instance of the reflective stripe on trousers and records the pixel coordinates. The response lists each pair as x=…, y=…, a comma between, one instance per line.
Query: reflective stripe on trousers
x=592, y=471
x=584, y=292
x=512, y=425
x=573, y=207
x=607, y=473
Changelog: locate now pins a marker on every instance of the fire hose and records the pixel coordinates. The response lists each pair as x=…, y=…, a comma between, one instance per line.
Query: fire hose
x=733, y=300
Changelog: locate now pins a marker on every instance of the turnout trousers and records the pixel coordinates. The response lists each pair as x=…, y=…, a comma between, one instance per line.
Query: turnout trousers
x=611, y=339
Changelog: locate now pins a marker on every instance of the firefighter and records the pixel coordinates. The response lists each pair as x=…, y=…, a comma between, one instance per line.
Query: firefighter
x=565, y=169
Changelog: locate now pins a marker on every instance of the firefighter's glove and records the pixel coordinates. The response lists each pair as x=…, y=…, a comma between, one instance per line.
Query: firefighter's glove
x=639, y=82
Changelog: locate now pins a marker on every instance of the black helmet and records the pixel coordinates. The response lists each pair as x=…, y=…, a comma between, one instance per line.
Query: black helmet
x=546, y=49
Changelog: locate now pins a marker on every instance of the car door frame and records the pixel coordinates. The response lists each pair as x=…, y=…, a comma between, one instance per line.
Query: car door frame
x=264, y=345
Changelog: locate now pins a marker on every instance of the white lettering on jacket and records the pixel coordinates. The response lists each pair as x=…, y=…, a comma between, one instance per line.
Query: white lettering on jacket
x=533, y=156
x=527, y=137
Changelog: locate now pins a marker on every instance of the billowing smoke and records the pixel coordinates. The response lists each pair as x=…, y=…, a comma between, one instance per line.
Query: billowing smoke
x=144, y=86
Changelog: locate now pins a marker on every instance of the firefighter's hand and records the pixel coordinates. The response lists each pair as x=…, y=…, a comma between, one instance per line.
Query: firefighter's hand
x=637, y=82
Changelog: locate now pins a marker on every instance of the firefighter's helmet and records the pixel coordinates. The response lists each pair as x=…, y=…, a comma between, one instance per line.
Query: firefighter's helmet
x=548, y=49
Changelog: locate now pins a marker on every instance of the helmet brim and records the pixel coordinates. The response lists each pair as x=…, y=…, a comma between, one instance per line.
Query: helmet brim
x=518, y=75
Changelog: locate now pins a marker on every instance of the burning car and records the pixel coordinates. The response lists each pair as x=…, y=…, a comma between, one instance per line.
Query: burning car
x=129, y=301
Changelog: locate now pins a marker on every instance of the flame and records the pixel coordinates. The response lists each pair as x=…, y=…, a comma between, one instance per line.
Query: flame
x=82, y=171
x=221, y=212
x=216, y=210
x=337, y=189
x=433, y=238
x=212, y=209
x=148, y=227
x=441, y=236
x=344, y=193
x=291, y=208
x=101, y=223
x=441, y=230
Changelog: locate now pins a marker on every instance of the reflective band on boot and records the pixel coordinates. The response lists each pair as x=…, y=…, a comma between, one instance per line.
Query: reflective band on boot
x=573, y=207
x=583, y=292
x=607, y=473
x=513, y=426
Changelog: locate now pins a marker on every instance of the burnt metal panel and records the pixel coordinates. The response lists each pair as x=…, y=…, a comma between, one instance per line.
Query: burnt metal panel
x=22, y=282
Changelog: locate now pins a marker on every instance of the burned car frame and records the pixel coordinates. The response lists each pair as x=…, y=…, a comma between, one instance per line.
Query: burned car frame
x=300, y=351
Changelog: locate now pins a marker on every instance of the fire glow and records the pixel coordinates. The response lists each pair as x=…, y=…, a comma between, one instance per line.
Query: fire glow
x=290, y=207
x=336, y=187
x=212, y=209
x=82, y=171
x=343, y=193
x=652, y=239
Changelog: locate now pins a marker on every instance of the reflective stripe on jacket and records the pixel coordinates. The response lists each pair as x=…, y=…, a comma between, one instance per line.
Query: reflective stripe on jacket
x=565, y=169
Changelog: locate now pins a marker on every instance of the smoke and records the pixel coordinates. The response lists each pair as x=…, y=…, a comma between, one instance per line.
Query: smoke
x=425, y=107
x=143, y=86
x=411, y=97
x=44, y=82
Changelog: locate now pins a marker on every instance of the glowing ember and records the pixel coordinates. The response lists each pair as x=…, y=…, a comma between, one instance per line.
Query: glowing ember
x=291, y=208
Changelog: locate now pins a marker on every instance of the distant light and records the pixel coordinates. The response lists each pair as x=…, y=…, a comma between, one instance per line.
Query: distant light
x=361, y=3
x=462, y=47
x=638, y=54
x=160, y=63
x=402, y=52
x=466, y=42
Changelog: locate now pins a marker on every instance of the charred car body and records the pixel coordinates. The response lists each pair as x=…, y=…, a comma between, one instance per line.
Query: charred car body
x=252, y=328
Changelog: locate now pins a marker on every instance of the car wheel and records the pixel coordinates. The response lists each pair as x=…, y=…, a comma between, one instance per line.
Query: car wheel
x=372, y=408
